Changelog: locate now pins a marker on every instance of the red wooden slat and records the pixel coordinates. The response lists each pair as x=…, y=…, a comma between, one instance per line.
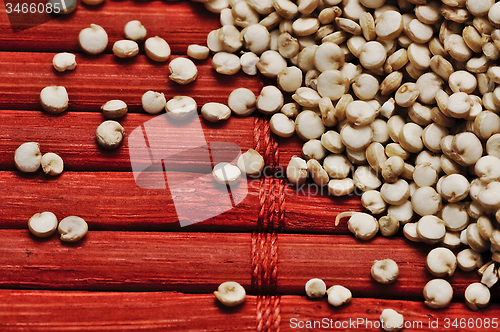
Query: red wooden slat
x=159, y=311
x=100, y=78
x=72, y=136
x=175, y=21
x=198, y=262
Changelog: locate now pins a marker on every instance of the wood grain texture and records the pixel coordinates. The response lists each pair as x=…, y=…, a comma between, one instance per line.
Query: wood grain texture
x=72, y=136
x=95, y=172
x=125, y=274
x=113, y=201
x=198, y=262
x=51, y=311
x=175, y=21
x=100, y=78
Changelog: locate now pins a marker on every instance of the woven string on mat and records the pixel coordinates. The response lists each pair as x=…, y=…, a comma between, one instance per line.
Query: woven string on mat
x=270, y=221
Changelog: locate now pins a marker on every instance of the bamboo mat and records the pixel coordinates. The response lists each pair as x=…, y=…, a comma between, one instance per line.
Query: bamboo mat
x=137, y=269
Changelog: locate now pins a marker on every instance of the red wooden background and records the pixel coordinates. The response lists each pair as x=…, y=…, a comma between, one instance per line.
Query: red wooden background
x=137, y=269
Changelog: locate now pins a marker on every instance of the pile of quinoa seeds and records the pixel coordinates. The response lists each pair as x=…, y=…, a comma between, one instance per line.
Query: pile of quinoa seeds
x=394, y=100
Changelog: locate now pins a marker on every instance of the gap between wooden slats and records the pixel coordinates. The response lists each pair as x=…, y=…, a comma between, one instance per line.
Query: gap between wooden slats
x=178, y=22
x=199, y=262
x=50, y=311
x=100, y=78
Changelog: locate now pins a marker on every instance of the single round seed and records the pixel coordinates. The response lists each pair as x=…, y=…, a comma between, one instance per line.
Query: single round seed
x=271, y=63
x=309, y=125
x=487, y=168
x=362, y=225
x=109, y=134
x=313, y=149
x=338, y=295
x=43, y=224
x=256, y=38
x=365, y=86
x=157, y=49
x=64, y=61
x=360, y=113
x=469, y=260
x=332, y=84
x=153, y=102
x=438, y=293
x=281, y=125
x=341, y=187
x=373, y=202
x=425, y=175
x=388, y=225
x=407, y=94
x=52, y=164
x=380, y=131
x=230, y=293
x=431, y=229
x=270, y=100
x=54, y=99
x=441, y=262
x=72, y=229
x=225, y=173
x=426, y=201
x=93, y=40
x=114, y=109
x=454, y=187
x=290, y=79
x=392, y=168
x=451, y=240
x=419, y=56
x=215, y=112
x=306, y=97
x=477, y=296
x=315, y=288
x=410, y=232
x=410, y=137
x=403, y=212
x=318, y=174
x=134, y=30
x=372, y=55
x=198, y=52
x=28, y=157
x=455, y=216
x=328, y=56
x=485, y=227
x=182, y=71
x=356, y=138
x=385, y=271
x=251, y=162
x=226, y=63
x=242, y=101
x=125, y=48
x=249, y=63
x=181, y=107
x=475, y=240
x=391, y=320
x=337, y=166
x=332, y=142
x=389, y=25
x=395, y=193
x=365, y=178
x=296, y=171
